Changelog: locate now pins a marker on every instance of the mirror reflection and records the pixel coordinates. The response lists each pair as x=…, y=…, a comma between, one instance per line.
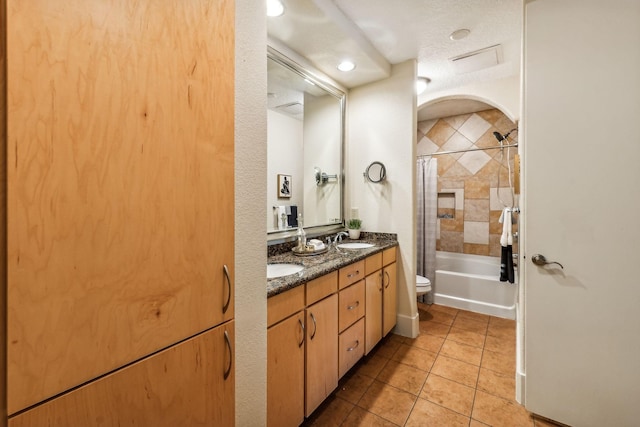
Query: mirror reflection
x=304, y=148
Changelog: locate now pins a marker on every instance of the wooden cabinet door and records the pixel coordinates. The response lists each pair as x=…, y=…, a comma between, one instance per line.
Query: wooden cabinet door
x=322, y=351
x=191, y=383
x=390, y=283
x=121, y=186
x=373, y=310
x=285, y=372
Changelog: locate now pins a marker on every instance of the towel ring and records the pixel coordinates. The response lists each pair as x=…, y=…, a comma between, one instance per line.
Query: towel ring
x=375, y=172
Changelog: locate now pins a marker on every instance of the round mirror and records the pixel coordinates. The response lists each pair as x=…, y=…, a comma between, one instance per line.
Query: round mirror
x=376, y=172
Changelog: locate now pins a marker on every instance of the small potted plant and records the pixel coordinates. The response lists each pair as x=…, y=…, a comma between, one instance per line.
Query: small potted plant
x=353, y=225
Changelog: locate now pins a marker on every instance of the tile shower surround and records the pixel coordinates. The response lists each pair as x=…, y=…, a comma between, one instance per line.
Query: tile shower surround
x=471, y=179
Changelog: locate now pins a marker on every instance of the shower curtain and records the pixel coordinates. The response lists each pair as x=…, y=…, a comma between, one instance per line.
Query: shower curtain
x=427, y=200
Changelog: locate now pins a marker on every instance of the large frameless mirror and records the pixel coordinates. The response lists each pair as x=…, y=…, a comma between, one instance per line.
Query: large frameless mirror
x=305, y=120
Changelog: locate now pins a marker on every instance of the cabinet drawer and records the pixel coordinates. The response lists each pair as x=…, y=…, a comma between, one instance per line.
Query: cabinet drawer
x=351, y=305
x=351, y=274
x=283, y=305
x=351, y=347
x=321, y=287
x=373, y=263
x=389, y=256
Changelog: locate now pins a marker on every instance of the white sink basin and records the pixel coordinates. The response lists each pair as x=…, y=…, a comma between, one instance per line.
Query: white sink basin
x=355, y=245
x=279, y=270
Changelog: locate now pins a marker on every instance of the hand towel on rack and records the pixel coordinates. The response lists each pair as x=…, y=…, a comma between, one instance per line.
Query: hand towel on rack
x=279, y=212
x=507, y=235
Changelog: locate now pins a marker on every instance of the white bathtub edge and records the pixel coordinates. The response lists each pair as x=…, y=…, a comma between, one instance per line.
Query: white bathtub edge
x=476, y=306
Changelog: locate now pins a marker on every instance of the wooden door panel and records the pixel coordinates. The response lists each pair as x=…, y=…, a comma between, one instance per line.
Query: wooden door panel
x=390, y=298
x=373, y=310
x=322, y=352
x=285, y=372
x=120, y=190
x=183, y=385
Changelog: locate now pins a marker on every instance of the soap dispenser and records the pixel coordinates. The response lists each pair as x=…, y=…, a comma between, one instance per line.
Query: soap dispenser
x=302, y=235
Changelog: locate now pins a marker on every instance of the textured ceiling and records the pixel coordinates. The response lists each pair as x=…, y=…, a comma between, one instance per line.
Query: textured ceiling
x=380, y=33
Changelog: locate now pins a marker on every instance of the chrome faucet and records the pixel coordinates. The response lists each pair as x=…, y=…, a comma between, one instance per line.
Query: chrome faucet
x=339, y=236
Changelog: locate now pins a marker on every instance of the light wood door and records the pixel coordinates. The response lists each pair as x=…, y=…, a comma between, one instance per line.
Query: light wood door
x=322, y=352
x=389, y=298
x=121, y=188
x=581, y=150
x=373, y=310
x=285, y=372
x=191, y=383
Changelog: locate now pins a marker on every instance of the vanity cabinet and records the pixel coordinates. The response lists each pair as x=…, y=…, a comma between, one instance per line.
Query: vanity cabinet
x=319, y=330
x=321, y=369
x=352, y=305
x=120, y=198
x=191, y=383
x=381, y=296
x=285, y=358
x=390, y=293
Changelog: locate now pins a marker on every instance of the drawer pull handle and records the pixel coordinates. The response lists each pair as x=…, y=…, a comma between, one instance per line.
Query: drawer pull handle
x=386, y=273
x=227, y=371
x=228, y=279
x=357, y=273
x=351, y=307
x=315, y=325
x=355, y=346
x=303, y=334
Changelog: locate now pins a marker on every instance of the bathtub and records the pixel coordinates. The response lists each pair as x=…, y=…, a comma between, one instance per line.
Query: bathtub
x=472, y=282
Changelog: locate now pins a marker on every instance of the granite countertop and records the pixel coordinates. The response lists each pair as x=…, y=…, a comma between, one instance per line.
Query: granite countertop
x=321, y=264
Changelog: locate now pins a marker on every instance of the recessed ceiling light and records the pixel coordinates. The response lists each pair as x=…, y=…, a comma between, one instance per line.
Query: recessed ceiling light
x=274, y=8
x=421, y=84
x=346, y=66
x=459, y=34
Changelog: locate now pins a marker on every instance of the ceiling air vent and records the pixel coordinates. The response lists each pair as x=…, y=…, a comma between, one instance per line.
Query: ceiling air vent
x=477, y=60
x=292, y=108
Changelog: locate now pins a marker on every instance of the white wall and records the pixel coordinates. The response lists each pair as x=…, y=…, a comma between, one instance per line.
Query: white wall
x=284, y=156
x=250, y=202
x=321, y=149
x=381, y=125
x=504, y=94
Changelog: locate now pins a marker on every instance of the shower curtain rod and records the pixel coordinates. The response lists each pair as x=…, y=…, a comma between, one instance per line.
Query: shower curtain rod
x=468, y=149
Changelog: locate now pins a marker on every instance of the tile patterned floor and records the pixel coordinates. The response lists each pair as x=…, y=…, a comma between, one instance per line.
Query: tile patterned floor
x=460, y=371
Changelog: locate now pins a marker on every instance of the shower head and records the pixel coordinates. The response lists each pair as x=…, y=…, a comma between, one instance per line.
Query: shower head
x=501, y=137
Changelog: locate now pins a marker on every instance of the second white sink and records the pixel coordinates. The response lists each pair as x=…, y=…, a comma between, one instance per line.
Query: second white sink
x=355, y=245
x=279, y=270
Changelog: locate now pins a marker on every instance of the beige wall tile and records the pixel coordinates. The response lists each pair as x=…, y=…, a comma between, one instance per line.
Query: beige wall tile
x=491, y=116
x=475, y=249
x=440, y=132
x=474, y=127
x=451, y=241
x=476, y=188
x=476, y=210
x=476, y=232
x=457, y=121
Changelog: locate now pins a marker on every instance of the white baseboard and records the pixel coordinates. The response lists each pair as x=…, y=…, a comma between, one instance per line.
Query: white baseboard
x=407, y=326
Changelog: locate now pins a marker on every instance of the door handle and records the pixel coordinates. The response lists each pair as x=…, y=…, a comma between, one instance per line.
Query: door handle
x=541, y=261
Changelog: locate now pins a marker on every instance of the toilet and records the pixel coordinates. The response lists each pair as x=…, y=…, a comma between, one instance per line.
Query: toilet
x=423, y=285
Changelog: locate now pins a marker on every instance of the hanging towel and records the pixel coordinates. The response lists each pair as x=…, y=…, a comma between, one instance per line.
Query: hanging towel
x=506, y=241
x=507, y=234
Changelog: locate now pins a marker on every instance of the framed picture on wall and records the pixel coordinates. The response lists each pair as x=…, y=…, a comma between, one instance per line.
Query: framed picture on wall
x=284, y=186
